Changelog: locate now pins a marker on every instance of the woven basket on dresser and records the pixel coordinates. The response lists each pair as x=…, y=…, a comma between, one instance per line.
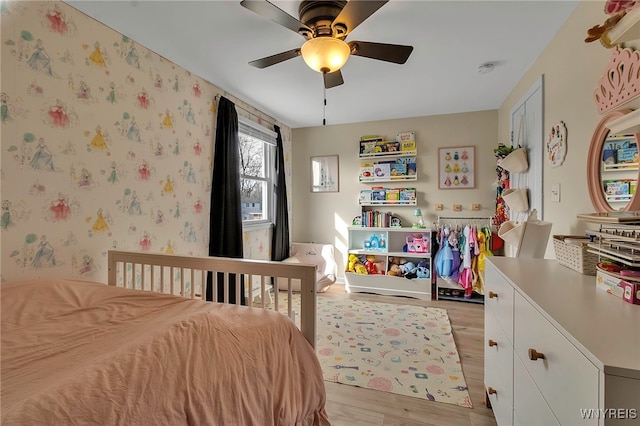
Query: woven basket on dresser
x=575, y=256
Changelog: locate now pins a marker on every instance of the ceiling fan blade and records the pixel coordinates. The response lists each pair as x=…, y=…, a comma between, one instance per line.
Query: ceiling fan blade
x=275, y=14
x=275, y=59
x=356, y=11
x=332, y=79
x=395, y=53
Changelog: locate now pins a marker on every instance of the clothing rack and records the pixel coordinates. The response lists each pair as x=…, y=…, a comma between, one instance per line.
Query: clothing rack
x=461, y=219
x=445, y=287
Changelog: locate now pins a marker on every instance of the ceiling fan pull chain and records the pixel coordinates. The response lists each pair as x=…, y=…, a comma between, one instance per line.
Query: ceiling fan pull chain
x=324, y=107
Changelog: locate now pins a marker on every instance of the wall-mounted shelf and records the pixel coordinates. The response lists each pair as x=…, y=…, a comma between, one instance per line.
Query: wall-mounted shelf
x=388, y=168
x=628, y=29
x=389, y=203
x=620, y=167
x=628, y=123
x=388, y=155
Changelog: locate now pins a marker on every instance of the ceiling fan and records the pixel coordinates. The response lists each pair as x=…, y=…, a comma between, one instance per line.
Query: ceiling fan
x=325, y=24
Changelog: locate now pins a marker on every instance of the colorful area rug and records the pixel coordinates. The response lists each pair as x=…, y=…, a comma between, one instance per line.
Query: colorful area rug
x=402, y=349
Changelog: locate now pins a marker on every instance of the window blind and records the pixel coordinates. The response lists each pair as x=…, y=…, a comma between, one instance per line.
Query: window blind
x=255, y=130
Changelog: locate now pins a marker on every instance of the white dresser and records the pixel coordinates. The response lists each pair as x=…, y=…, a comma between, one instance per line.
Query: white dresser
x=557, y=349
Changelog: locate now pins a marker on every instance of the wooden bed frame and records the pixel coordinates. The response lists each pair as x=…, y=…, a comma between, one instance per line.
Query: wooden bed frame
x=185, y=275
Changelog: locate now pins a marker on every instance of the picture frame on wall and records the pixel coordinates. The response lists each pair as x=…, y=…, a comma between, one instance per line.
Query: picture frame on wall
x=457, y=167
x=325, y=174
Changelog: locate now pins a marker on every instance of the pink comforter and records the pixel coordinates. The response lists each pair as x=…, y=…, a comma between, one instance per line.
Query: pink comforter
x=75, y=352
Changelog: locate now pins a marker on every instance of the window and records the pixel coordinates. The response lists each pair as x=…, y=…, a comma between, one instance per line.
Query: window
x=257, y=169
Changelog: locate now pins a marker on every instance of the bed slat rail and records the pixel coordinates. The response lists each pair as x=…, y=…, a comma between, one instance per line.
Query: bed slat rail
x=146, y=271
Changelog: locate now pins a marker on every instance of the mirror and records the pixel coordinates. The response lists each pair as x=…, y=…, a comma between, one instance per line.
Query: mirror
x=612, y=168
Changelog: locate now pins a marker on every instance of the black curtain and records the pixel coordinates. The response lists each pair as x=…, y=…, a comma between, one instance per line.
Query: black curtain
x=225, y=223
x=280, y=237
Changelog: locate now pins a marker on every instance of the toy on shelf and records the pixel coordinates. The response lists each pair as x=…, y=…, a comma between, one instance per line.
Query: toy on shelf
x=375, y=242
x=418, y=243
x=419, y=223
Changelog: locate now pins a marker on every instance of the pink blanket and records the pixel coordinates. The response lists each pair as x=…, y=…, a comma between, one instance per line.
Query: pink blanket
x=76, y=352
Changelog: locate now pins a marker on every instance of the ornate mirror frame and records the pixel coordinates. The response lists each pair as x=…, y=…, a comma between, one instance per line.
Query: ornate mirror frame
x=594, y=159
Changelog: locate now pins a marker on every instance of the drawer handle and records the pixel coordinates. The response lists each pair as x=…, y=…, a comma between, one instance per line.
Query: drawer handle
x=492, y=343
x=492, y=391
x=535, y=355
x=492, y=295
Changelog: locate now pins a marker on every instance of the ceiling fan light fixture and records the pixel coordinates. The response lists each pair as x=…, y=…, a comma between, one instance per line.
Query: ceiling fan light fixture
x=325, y=54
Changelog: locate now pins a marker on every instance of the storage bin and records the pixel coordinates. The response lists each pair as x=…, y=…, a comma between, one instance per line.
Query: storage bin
x=516, y=161
x=571, y=251
x=517, y=199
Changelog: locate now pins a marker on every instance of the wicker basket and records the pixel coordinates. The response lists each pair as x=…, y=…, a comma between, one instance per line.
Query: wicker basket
x=574, y=255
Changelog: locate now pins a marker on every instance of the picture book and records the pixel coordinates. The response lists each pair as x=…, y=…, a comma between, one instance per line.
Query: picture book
x=628, y=155
x=378, y=194
x=365, y=196
x=381, y=171
x=398, y=169
x=610, y=156
x=407, y=194
x=366, y=173
x=393, y=194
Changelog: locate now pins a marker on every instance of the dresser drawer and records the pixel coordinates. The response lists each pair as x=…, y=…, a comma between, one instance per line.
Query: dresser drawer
x=498, y=297
x=566, y=378
x=498, y=369
x=529, y=407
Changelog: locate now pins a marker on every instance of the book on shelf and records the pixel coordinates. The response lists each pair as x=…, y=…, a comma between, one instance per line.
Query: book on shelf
x=393, y=194
x=410, y=163
x=407, y=194
x=382, y=171
x=365, y=196
x=398, y=169
x=366, y=173
x=376, y=219
x=407, y=141
x=378, y=194
x=619, y=188
x=376, y=145
x=628, y=155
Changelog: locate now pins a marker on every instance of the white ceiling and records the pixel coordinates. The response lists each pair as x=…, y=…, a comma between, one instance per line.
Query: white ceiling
x=217, y=39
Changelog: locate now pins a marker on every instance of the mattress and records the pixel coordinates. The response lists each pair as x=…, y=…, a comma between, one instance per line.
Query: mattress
x=77, y=352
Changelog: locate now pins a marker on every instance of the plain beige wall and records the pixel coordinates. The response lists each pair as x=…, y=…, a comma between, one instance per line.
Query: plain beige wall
x=571, y=69
x=324, y=217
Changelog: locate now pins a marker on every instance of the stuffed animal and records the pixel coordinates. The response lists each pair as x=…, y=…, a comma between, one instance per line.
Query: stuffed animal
x=407, y=268
x=355, y=265
x=422, y=270
x=351, y=266
x=360, y=269
x=370, y=264
x=394, y=266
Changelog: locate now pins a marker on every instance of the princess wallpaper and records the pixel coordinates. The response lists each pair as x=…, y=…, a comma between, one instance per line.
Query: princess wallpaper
x=105, y=145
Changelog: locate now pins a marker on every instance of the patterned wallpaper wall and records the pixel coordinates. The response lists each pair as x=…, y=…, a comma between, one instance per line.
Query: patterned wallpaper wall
x=105, y=145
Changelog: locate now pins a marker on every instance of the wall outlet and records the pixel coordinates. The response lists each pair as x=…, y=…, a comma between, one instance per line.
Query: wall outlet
x=475, y=207
x=439, y=207
x=457, y=207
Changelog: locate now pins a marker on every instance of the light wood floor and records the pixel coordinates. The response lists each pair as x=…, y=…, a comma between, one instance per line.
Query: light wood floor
x=353, y=406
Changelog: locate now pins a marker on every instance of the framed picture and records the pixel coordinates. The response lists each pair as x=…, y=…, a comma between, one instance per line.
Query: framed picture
x=457, y=167
x=325, y=174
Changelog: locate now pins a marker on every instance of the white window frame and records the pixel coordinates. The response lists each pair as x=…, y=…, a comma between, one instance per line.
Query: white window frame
x=251, y=128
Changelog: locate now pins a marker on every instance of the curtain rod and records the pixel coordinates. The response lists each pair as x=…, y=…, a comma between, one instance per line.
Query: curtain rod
x=217, y=97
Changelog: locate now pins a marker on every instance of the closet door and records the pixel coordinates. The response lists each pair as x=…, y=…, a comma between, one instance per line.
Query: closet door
x=527, y=130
